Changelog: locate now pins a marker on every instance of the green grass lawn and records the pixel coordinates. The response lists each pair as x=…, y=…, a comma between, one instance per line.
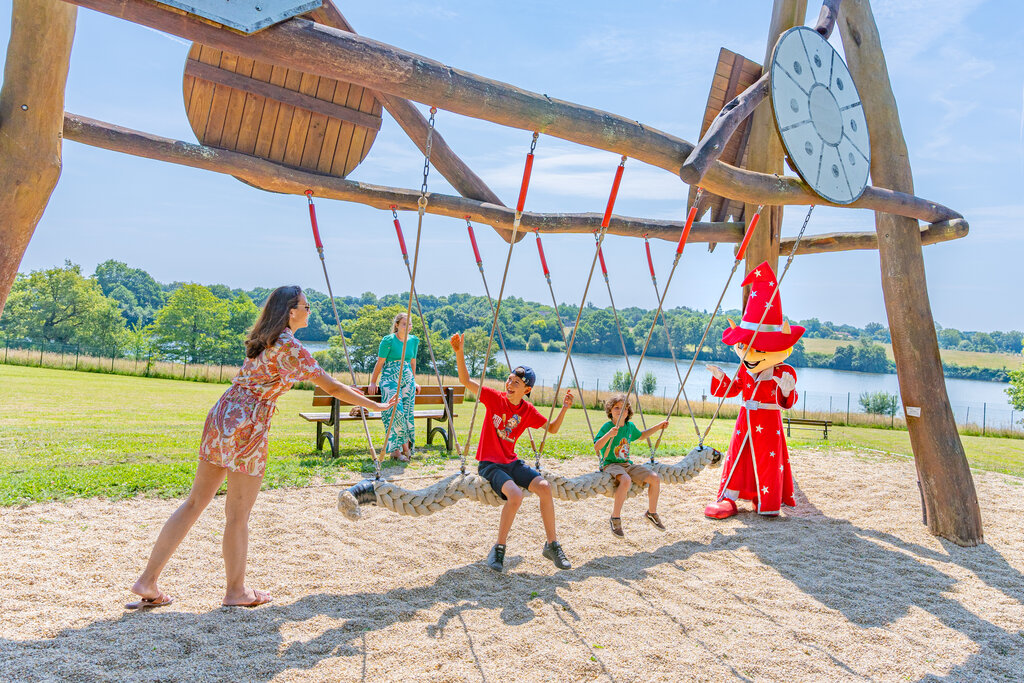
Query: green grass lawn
x=996, y=361
x=66, y=434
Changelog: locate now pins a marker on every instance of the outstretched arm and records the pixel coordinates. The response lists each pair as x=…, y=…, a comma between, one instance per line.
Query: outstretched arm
x=458, y=341
x=345, y=393
x=650, y=430
x=556, y=424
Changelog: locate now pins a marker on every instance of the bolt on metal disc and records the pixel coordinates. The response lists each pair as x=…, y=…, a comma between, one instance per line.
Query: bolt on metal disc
x=819, y=115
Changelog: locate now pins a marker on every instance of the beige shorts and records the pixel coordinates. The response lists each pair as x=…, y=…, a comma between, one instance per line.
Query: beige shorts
x=636, y=472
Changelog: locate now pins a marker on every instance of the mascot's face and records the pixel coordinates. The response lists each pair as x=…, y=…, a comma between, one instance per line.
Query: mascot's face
x=758, y=361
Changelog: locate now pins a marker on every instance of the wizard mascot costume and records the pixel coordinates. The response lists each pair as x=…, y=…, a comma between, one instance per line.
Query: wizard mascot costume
x=757, y=464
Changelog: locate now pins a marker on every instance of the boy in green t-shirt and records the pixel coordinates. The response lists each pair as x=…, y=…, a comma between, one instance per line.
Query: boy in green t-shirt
x=613, y=441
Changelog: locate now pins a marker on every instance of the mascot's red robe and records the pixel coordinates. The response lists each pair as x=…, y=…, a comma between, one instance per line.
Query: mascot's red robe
x=757, y=464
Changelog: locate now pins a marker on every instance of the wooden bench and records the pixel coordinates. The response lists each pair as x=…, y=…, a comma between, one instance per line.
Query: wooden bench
x=445, y=398
x=806, y=423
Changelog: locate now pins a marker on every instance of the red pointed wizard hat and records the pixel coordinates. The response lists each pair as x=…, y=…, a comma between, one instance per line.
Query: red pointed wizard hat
x=774, y=334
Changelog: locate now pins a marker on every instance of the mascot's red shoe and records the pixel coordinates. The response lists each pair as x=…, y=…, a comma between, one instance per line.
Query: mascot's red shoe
x=721, y=510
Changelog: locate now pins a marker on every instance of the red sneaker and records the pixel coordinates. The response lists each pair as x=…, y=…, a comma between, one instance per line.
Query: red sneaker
x=721, y=510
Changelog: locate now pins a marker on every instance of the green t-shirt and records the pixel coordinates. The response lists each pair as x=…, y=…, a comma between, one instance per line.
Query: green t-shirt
x=391, y=347
x=617, y=448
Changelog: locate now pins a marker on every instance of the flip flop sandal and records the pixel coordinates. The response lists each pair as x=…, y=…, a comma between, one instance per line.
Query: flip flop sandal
x=161, y=600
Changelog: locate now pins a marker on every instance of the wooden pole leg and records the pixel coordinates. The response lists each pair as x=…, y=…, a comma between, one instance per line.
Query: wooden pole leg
x=31, y=119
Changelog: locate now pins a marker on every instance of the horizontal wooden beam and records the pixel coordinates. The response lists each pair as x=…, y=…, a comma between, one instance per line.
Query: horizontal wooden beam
x=267, y=175
x=931, y=233
x=302, y=44
x=215, y=74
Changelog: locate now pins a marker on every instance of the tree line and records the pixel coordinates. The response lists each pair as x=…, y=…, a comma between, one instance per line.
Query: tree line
x=124, y=308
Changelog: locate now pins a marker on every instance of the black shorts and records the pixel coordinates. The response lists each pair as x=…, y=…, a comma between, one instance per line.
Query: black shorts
x=516, y=471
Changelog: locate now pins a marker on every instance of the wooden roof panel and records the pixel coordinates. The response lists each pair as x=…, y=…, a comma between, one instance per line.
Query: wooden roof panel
x=284, y=115
x=733, y=74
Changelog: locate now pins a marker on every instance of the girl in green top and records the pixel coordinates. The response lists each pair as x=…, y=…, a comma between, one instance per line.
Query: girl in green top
x=613, y=440
x=389, y=368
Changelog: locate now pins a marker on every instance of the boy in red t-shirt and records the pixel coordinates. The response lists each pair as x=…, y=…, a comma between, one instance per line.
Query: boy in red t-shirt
x=508, y=416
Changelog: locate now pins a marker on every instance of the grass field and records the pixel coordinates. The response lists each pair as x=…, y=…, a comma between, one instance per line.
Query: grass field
x=997, y=361
x=67, y=434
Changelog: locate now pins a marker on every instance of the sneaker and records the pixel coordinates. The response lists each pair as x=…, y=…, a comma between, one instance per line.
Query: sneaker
x=496, y=558
x=616, y=523
x=553, y=551
x=655, y=520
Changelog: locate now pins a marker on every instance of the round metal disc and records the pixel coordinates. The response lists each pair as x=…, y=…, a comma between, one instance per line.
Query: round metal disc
x=819, y=115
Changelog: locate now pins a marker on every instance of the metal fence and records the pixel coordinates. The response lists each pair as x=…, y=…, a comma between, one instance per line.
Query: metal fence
x=842, y=408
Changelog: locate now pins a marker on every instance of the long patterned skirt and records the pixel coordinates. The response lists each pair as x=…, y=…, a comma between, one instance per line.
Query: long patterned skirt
x=404, y=429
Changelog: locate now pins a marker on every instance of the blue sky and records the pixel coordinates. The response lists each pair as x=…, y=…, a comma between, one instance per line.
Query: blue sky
x=954, y=65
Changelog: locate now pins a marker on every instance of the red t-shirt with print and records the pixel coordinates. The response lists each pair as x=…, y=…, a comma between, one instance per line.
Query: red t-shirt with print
x=503, y=424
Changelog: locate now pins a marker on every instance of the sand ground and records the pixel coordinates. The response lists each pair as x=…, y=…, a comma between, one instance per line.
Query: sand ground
x=847, y=586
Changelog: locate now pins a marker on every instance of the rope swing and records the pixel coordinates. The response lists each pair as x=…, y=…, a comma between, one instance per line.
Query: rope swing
x=460, y=485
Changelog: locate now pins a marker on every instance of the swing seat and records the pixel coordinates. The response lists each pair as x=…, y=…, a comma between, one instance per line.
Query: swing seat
x=455, y=487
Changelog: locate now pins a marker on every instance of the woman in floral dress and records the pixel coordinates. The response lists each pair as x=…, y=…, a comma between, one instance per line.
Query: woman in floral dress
x=234, y=444
x=389, y=368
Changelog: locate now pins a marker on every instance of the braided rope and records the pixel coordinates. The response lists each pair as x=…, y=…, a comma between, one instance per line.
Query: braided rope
x=455, y=487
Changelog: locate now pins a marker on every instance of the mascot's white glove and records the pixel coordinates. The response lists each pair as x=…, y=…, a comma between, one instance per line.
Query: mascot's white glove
x=716, y=372
x=786, y=383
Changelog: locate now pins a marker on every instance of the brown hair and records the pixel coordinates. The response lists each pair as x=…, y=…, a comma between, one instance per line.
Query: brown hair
x=610, y=402
x=394, y=323
x=273, y=319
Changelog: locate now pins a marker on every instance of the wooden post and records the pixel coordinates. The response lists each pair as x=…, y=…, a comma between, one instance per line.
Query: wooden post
x=765, y=153
x=950, y=500
x=31, y=117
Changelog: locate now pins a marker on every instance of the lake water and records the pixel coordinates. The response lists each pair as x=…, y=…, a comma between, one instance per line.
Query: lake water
x=820, y=389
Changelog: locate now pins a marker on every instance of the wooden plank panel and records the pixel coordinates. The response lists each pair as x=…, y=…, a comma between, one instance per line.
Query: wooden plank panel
x=219, y=104
x=252, y=111
x=300, y=123
x=236, y=104
x=355, y=148
x=354, y=97
x=318, y=126
x=301, y=100
x=279, y=146
x=377, y=110
x=268, y=122
x=202, y=94
x=333, y=128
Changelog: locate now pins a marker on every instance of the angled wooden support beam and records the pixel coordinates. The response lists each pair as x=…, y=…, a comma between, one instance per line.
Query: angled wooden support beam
x=267, y=175
x=827, y=17
x=445, y=160
x=944, y=475
x=711, y=146
x=31, y=116
x=325, y=51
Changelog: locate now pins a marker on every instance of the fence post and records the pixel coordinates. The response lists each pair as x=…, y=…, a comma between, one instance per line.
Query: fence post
x=847, y=408
x=40, y=355
x=830, y=406
x=113, y=352
x=184, y=367
x=78, y=349
x=62, y=356
x=7, y=345
x=805, y=404
x=984, y=412
x=220, y=376
x=967, y=415
x=597, y=394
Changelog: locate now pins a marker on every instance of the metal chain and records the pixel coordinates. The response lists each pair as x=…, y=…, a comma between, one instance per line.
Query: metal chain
x=422, y=203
